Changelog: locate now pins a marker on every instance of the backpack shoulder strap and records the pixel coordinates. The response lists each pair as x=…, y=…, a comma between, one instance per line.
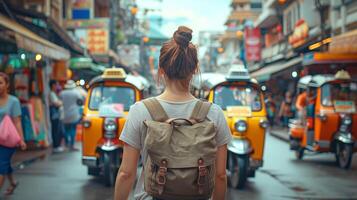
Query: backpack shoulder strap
x=155, y=109
x=200, y=111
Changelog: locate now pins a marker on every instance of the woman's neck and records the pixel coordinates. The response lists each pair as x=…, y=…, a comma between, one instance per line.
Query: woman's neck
x=3, y=99
x=4, y=95
x=174, y=93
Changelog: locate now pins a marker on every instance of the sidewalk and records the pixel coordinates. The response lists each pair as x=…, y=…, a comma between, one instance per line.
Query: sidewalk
x=281, y=133
x=23, y=158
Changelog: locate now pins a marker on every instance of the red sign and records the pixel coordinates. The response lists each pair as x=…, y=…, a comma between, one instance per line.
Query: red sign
x=300, y=34
x=252, y=44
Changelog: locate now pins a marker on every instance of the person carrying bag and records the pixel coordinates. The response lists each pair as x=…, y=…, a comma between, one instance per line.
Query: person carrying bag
x=9, y=137
x=11, y=134
x=182, y=140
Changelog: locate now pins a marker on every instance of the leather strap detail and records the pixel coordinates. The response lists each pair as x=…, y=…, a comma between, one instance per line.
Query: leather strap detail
x=202, y=172
x=161, y=176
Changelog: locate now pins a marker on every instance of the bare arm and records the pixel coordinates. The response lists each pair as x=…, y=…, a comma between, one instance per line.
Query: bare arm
x=17, y=122
x=221, y=176
x=127, y=173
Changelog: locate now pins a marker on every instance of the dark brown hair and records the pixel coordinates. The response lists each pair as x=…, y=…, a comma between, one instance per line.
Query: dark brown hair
x=178, y=56
x=5, y=77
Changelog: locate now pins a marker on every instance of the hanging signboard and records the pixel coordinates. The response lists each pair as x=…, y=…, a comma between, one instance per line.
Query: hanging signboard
x=300, y=34
x=92, y=34
x=252, y=44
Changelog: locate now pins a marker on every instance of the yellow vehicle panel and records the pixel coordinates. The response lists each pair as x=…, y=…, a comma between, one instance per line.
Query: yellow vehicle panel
x=94, y=133
x=254, y=133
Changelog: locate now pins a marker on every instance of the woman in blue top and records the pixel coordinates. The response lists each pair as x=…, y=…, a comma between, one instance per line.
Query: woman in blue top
x=9, y=105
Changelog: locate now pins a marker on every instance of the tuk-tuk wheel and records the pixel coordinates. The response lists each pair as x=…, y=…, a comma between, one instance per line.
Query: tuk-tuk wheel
x=299, y=153
x=238, y=167
x=109, y=169
x=93, y=171
x=344, y=155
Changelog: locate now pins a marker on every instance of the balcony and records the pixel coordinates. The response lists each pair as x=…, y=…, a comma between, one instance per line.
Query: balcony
x=242, y=15
x=267, y=19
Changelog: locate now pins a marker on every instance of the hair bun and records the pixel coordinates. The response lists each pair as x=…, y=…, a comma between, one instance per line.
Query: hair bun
x=183, y=36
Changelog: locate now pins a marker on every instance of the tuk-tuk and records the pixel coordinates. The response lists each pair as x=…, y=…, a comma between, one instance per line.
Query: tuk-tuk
x=242, y=102
x=330, y=123
x=110, y=96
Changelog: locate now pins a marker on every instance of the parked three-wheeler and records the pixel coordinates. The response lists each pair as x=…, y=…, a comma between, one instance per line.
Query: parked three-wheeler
x=242, y=102
x=109, y=99
x=331, y=125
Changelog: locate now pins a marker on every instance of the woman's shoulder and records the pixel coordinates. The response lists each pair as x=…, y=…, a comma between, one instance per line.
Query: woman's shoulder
x=13, y=99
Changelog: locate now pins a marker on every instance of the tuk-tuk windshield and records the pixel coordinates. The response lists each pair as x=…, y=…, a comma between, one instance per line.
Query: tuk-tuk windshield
x=237, y=96
x=111, y=95
x=339, y=92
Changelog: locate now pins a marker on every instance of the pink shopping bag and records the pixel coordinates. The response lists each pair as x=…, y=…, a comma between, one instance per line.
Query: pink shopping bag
x=9, y=136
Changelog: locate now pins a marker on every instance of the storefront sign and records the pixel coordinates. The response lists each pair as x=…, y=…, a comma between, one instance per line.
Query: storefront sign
x=252, y=44
x=98, y=41
x=92, y=23
x=93, y=34
x=300, y=34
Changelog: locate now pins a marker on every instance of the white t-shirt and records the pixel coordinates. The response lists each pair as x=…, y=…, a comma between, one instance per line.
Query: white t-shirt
x=134, y=131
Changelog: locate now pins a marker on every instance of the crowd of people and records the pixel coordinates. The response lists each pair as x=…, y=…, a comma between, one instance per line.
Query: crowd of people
x=64, y=113
x=290, y=107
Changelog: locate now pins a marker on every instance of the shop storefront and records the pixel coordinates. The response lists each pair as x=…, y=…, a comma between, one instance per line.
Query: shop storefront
x=28, y=60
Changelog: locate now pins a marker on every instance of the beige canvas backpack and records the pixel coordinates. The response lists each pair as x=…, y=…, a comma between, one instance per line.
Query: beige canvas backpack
x=181, y=154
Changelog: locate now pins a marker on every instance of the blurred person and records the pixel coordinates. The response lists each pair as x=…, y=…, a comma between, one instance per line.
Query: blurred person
x=178, y=63
x=286, y=110
x=9, y=105
x=72, y=100
x=305, y=103
x=57, y=115
x=271, y=108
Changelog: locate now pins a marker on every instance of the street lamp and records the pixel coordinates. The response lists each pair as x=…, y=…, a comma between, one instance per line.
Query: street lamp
x=239, y=34
x=134, y=10
x=146, y=39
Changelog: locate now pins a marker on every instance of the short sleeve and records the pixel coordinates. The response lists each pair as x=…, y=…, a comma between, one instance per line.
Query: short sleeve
x=131, y=132
x=223, y=132
x=15, y=110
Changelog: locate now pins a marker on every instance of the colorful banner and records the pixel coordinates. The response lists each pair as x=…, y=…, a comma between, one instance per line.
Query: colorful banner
x=252, y=44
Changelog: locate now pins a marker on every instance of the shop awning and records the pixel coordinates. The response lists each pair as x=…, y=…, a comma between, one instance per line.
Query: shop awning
x=265, y=72
x=329, y=58
x=30, y=41
x=344, y=43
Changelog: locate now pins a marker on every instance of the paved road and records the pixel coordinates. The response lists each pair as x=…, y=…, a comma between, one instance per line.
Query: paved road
x=62, y=176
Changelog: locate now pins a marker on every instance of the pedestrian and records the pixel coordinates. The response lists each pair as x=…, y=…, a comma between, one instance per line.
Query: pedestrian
x=71, y=108
x=9, y=105
x=286, y=109
x=305, y=103
x=271, y=108
x=177, y=64
x=56, y=114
